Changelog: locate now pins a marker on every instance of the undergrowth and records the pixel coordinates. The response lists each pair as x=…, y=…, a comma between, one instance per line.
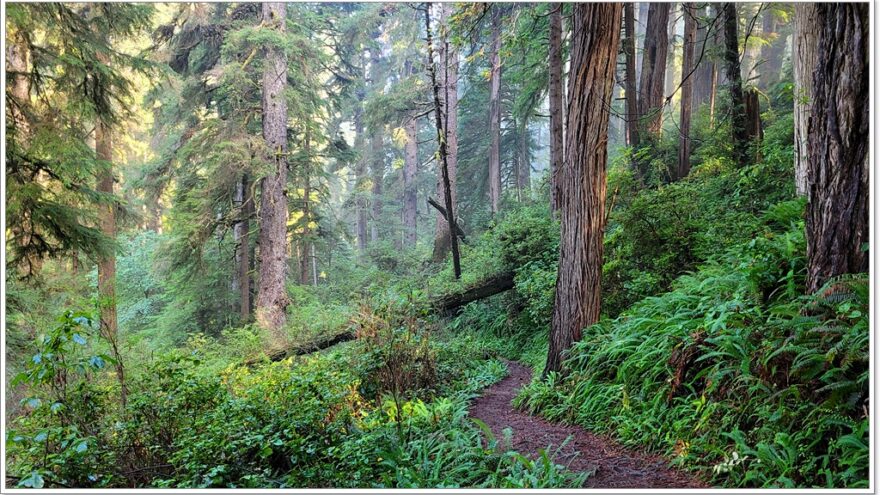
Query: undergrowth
x=733, y=373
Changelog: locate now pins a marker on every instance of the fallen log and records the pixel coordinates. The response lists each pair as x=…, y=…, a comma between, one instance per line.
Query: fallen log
x=442, y=210
x=308, y=347
x=444, y=305
x=489, y=287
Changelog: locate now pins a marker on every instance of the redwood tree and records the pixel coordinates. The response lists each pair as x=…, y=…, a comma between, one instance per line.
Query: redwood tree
x=495, y=112
x=272, y=298
x=631, y=96
x=803, y=61
x=687, y=90
x=654, y=68
x=734, y=82
x=556, y=103
x=595, y=38
x=837, y=172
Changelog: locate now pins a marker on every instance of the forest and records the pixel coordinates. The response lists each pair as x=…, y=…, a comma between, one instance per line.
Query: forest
x=437, y=245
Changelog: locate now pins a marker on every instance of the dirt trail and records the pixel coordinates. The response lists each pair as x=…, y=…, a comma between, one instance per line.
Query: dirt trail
x=613, y=465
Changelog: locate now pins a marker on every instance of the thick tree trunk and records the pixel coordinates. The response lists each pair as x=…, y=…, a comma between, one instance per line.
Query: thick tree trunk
x=596, y=34
x=687, y=90
x=443, y=154
x=449, y=101
x=734, y=82
x=495, y=112
x=803, y=60
x=654, y=68
x=107, y=265
x=272, y=298
x=556, y=103
x=410, y=168
x=632, y=98
x=838, y=169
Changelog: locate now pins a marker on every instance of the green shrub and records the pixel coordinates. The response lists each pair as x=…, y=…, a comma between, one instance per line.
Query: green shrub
x=732, y=373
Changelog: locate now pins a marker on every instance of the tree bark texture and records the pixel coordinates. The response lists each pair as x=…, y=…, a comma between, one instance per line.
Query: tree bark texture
x=631, y=96
x=803, y=60
x=838, y=169
x=272, y=298
x=556, y=103
x=734, y=82
x=754, y=130
x=495, y=112
x=654, y=68
x=449, y=101
x=107, y=265
x=410, y=168
x=687, y=90
x=244, y=201
x=596, y=35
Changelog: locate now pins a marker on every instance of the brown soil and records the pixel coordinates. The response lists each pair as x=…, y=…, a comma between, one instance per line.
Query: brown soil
x=611, y=465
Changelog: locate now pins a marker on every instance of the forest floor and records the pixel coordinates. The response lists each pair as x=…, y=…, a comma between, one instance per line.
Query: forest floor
x=611, y=464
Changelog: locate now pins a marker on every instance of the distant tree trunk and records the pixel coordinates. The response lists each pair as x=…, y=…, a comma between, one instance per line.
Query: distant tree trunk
x=771, y=52
x=305, y=250
x=713, y=85
x=443, y=154
x=838, y=169
x=410, y=168
x=803, y=56
x=377, y=150
x=556, y=103
x=360, y=172
x=641, y=26
x=703, y=73
x=654, y=68
x=241, y=232
x=687, y=90
x=272, y=298
x=495, y=112
x=734, y=81
x=449, y=101
x=524, y=167
x=596, y=34
x=107, y=265
x=669, y=81
x=632, y=98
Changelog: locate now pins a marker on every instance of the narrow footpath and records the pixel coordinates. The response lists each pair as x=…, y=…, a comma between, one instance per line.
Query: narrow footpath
x=611, y=465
